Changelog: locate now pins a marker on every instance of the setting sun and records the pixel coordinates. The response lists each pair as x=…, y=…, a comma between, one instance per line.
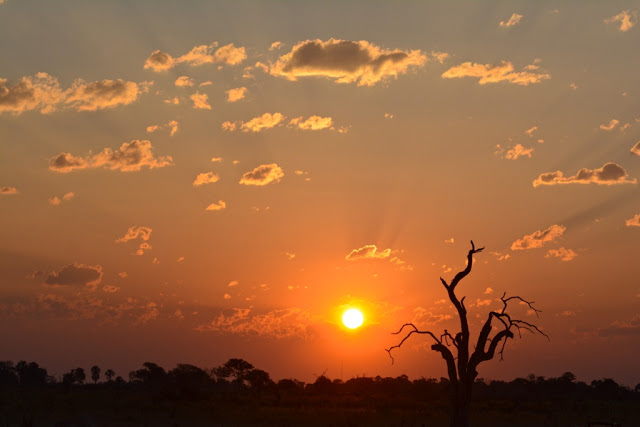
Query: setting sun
x=352, y=318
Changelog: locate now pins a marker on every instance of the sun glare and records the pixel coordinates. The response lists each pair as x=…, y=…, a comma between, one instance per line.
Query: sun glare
x=352, y=318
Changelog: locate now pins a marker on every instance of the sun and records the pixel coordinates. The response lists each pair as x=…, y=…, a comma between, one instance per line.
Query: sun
x=352, y=318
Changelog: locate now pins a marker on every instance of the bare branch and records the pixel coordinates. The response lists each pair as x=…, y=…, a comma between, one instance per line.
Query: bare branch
x=415, y=330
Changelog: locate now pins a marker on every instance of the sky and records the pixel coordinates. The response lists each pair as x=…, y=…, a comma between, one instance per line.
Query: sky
x=190, y=182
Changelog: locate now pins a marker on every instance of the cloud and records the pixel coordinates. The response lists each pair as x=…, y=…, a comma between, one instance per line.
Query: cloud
x=622, y=328
x=131, y=156
x=205, y=178
x=276, y=45
x=8, y=190
x=514, y=20
x=531, y=130
x=136, y=232
x=110, y=289
x=626, y=18
x=76, y=275
x=281, y=323
x=200, y=101
x=368, y=252
x=199, y=55
x=636, y=149
x=217, y=206
x=439, y=56
x=102, y=94
x=503, y=72
x=233, y=283
x=612, y=124
x=514, y=152
x=424, y=317
x=263, y=175
x=56, y=201
x=184, y=81
x=42, y=92
x=171, y=125
x=312, y=123
x=236, y=94
x=633, y=222
x=609, y=174
x=562, y=253
x=345, y=61
x=538, y=238
x=266, y=121
x=142, y=248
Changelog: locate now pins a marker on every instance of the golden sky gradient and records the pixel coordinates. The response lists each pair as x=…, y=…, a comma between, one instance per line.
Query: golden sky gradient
x=190, y=182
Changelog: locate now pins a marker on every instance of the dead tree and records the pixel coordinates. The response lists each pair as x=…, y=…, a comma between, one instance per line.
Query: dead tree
x=462, y=366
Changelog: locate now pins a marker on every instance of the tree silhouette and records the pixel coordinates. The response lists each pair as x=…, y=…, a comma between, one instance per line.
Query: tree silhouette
x=109, y=373
x=236, y=368
x=95, y=374
x=462, y=366
x=74, y=376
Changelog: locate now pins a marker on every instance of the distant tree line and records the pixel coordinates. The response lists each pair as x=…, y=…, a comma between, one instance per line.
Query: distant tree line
x=241, y=377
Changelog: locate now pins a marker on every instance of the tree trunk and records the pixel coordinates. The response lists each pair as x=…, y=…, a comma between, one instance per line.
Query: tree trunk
x=460, y=404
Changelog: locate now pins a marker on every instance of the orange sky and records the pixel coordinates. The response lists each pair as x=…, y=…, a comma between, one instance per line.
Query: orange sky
x=194, y=183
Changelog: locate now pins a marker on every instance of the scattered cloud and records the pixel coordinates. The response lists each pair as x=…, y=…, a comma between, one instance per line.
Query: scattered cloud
x=282, y=323
x=142, y=248
x=200, y=101
x=531, y=130
x=562, y=253
x=217, y=206
x=368, y=252
x=633, y=222
x=388, y=116
x=205, y=178
x=131, y=156
x=514, y=152
x=199, y=55
x=8, y=191
x=57, y=201
x=513, y=21
x=263, y=175
x=423, y=317
x=236, y=94
x=123, y=275
x=216, y=159
x=233, y=283
x=180, y=259
x=538, y=238
x=622, y=328
x=573, y=86
x=227, y=296
x=609, y=174
x=451, y=240
x=636, y=149
x=266, y=121
x=110, y=289
x=488, y=291
x=439, y=56
x=135, y=232
x=171, y=125
x=503, y=72
x=184, y=81
x=312, y=123
x=627, y=19
x=276, y=45
x=43, y=93
x=611, y=125
x=76, y=275
x=345, y=61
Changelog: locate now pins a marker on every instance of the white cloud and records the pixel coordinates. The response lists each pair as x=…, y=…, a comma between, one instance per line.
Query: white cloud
x=236, y=94
x=200, y=101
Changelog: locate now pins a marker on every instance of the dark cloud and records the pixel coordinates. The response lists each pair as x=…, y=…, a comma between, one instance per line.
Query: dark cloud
x=76, y=275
